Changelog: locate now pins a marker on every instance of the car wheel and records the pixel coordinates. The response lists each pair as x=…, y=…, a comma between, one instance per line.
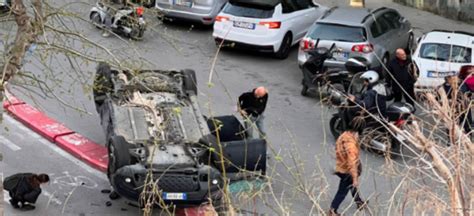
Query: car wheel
x=304, y=90
x=285, y=47
x=189, y=81
x=96, y=20
x=119, y=155
x=336, y=126
x=409, y=48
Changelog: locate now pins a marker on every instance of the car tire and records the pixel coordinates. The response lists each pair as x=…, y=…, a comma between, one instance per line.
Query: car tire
x=190, y=82
x=96, y=20
x=285, y=47
x=304, y=90
x=335, y=125
x=119, y=155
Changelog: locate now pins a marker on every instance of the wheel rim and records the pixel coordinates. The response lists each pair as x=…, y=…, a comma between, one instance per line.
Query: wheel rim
x=286, y=48
x=338, y=126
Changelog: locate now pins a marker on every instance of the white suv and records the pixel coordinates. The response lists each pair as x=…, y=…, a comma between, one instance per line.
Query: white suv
x=441, y=53
x=266, y=25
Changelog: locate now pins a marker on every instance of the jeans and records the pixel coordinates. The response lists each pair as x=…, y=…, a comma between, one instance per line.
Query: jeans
x=250, y=121
x=344, y=186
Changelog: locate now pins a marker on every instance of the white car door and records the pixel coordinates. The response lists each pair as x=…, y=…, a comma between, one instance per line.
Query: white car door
x=310, y=12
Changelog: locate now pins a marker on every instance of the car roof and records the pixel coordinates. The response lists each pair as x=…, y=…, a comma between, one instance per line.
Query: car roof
x=257, y=3
x=349, y=16
x=449, y=37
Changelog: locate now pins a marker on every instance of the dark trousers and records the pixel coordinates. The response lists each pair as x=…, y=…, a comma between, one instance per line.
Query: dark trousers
x=344, y=186
x=409, y=95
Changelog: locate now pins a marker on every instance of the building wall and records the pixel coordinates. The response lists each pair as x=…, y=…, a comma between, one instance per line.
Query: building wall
x=455, y=9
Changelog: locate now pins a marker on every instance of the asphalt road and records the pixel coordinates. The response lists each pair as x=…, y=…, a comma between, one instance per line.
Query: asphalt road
x=298, y=130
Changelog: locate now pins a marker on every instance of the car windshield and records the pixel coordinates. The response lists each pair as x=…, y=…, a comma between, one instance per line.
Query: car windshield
x=446, y=52
x=336, y=32
x=248, y=11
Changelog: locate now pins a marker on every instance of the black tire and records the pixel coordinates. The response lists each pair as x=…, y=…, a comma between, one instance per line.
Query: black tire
x=190, y=82
x=336, y=126
x=96, y=20
x=304, y=90
x=285, y=47
x=119, y=155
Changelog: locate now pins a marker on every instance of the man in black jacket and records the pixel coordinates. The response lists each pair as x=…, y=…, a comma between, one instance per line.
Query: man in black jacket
x=403, y=81
x=251, y=106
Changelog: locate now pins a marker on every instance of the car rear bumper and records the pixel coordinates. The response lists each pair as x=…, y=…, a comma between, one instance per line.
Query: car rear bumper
x=128, y=181
x=270, y=39
x=204, y=18
x=246, y=46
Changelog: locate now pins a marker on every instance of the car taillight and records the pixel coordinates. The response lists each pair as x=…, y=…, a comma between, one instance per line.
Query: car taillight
x=399, y=123
x=365, y=48
x=139, y=11
x=271, y=25
x=222, y=18
x=465, y=71
x=306, y=44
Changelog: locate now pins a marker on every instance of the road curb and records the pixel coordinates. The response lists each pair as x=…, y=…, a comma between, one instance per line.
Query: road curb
x=84, y=149
x=77, y=145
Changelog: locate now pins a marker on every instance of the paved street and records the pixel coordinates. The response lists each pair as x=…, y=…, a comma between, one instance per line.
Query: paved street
x=298, y=130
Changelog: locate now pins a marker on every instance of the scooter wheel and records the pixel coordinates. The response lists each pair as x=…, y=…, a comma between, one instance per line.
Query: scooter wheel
x=304, y=91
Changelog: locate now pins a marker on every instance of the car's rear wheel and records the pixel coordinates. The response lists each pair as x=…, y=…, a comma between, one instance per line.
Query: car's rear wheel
x=285, y=47
x=119, y=155
x=336, y=126
x=189, y=82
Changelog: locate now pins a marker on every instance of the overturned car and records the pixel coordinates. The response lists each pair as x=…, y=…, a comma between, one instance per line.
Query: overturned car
x=160, y=145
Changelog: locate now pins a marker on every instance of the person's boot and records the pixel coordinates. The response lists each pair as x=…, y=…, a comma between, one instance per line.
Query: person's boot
x=14, y=204
x=361, y=204
x=333, y=212
x=27, y=207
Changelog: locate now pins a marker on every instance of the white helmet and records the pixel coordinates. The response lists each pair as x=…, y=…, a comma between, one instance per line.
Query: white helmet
x=370, y=76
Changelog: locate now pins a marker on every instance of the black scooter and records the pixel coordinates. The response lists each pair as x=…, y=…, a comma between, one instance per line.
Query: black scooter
x=316, y=76
x=373, y=134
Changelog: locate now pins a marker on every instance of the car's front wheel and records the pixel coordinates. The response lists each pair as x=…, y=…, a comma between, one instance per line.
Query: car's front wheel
x=285, y=47
x=119, y=155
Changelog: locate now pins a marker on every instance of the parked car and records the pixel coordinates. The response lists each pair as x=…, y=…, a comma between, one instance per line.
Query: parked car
x=155, y=132
x=359, y=32
x=266, y=25
x=202, y=11
x=441, y=53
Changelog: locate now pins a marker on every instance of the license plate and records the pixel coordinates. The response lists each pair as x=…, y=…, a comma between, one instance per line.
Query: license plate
x=433, y=74
x=175, y=196
x=341, y=55
x=244, y=25
x=185, y=3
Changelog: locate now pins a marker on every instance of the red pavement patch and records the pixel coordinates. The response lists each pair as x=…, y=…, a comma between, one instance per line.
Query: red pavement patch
x=11, y=100
x=39, y=122
x=84, y=149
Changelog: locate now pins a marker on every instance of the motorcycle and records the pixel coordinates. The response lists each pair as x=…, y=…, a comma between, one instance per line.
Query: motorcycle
x=374, y=135
x=316, y=76
x=128, y=21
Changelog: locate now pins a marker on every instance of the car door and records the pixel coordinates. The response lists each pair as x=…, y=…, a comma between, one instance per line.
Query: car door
x=310, y=13
x=380, y=30
x=400, y=30
x=291, y=16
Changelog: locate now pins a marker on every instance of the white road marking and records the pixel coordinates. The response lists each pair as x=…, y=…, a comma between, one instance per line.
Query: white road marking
x=9, y=143
x=51, y=198
x=56, y=148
